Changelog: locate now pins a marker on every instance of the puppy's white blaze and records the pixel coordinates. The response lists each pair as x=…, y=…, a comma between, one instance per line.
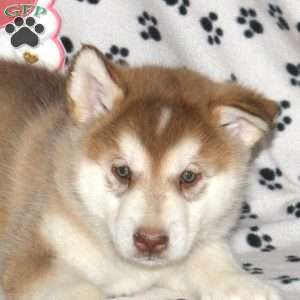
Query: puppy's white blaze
x=164, y=118
x=134, y=152
x=180, y=156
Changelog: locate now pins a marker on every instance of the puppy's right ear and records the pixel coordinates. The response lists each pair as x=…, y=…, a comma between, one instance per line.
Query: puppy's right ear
x=92, y=87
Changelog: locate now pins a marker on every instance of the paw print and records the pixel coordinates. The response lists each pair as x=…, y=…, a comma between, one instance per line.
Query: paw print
x=181, y=4
x=24, y=33
x=257, y=240
x=214, y=33
x=283, y=120
x=294, y=209
x=246, y=212
x=293, y=70
x=68, y=46
x=286, y=279
x=292, y=258
x=248, y=17
x=117, y=54
x=248, y=267
x=268, y=177
x=90, y=1
x=150, y=24
x=298, y=26
x=276, y=12
x=233, y=78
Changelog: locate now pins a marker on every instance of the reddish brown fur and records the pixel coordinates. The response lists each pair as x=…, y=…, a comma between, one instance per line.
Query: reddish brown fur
x=35, y=144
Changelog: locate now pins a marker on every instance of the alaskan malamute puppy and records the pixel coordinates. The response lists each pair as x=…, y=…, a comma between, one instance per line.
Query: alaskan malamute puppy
x=116, y=179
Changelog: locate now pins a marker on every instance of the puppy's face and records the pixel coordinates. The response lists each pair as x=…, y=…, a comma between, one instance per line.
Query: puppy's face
x=164, y=154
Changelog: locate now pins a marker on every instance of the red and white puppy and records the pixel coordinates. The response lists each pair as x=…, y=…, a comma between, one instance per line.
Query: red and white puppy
x=117, y=179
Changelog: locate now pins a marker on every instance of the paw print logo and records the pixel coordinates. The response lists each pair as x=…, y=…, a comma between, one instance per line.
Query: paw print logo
x=276, y=12
x=246, y=212
x=150, y=24
x=182, y=5
x=283, y=119
x=294, y=209
x=292, y=258
x=248, y=267
x=268, y=178
x=214, y=33
x=286, y=279
x=68, y=46
x=24, y=33
x=118, y=54
x=294, y=71
x=259, y=240
x=248, y=17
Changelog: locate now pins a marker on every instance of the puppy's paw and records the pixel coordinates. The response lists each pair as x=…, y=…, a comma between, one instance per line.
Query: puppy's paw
x=82, y=291
x=241, y=287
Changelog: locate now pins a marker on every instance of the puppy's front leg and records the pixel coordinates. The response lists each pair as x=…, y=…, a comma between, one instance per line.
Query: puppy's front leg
x=212, y=273
x=77, y=291
x=59, y=283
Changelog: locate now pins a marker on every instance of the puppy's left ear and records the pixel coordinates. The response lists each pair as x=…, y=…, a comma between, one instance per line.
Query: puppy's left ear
x=92, y=85
x=245, y=115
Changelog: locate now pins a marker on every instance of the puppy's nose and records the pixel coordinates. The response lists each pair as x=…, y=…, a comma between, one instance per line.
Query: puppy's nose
x=150, y=241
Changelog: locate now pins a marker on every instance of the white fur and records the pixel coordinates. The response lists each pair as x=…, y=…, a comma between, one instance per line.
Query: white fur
x=164, y=119
x=196, y=229
x=184, y=221
x=181, y=156
x=134, y=153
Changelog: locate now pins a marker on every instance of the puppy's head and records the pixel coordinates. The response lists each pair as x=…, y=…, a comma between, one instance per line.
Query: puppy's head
x=163, y=154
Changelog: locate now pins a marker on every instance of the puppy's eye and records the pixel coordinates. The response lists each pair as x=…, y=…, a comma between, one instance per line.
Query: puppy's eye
x=189, y=178
x=122, y=172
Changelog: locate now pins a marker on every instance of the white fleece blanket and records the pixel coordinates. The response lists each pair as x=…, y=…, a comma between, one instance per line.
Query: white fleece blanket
x=256, y=43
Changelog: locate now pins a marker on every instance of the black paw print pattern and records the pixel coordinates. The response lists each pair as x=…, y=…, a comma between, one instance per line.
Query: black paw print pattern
x=286, y=279
x=283, y=119
x=182, y=5
x=259, y=240
x=246, y=212
x=248, y=17
x=293, y=258
x=294, y=70
x=24, y=33
x=276, y=12
x=117, y=54
x=294, y=209
x=90, y=1
x=268, y=178
x=68, y=46
x=248, y=267
x=214, y=33
x=150, y=24
x=298, y=26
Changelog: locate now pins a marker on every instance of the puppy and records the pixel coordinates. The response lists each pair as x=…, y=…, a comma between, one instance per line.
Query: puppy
x=117, y=179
